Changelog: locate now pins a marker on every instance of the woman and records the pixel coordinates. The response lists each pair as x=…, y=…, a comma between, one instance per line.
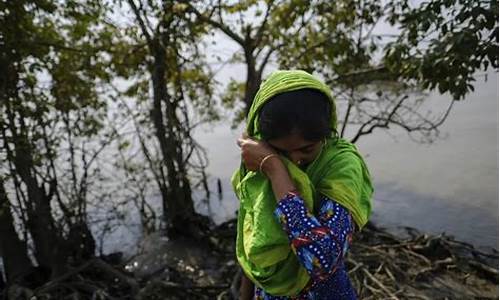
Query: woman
x=302, y=193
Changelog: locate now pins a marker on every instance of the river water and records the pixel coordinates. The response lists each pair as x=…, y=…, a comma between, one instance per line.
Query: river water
x=448, y=186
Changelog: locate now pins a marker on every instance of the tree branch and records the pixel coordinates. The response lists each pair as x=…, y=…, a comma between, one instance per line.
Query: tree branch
x=143, y=26
x=384, y=124
x=260, y=31
x=215, y=24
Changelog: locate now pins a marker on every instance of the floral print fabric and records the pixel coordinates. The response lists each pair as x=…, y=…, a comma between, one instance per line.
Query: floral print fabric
x=320, y=244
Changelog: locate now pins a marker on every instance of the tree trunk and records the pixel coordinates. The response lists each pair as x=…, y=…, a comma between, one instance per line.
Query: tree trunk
x=253, y=80
x=13, y=250
x=46, y=238
x=179, y=203
x=40, y=222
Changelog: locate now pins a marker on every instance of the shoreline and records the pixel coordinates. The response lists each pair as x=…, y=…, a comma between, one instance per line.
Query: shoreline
x=402, y=232
x=380, y=264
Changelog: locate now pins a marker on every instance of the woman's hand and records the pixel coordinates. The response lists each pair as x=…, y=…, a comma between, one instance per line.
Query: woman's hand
x=253, y=152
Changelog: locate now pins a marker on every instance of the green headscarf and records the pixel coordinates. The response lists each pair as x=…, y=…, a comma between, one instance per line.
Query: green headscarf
x=339, y=172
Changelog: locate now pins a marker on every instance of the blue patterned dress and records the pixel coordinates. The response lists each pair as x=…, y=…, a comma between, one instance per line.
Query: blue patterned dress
x=320, y=243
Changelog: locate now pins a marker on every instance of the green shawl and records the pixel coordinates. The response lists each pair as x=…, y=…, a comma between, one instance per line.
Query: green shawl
x=339, y=172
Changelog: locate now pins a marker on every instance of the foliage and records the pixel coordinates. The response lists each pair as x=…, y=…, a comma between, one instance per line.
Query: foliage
x=443, y=43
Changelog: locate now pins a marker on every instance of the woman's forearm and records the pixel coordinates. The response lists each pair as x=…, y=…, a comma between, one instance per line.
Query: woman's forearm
x=277, y=173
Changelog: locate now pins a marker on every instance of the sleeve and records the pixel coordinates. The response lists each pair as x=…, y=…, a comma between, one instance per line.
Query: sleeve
x=320, y=242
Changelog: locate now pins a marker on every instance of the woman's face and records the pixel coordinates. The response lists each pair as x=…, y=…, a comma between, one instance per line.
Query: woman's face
x=296, y=148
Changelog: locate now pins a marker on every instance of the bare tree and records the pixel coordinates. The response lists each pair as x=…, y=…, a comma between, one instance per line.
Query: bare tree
x=168, y=65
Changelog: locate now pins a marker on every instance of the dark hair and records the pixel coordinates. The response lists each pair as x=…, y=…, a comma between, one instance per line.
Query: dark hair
x=305, y=111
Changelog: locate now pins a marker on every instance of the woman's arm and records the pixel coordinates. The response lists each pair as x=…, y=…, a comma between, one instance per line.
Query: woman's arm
x=277, y=173
x=319, y=242
x=253, y=152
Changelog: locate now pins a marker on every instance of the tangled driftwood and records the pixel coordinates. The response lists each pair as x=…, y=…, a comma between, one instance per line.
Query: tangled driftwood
x=420, y=266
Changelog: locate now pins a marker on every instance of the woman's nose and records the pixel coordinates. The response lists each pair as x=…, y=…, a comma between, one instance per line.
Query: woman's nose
x=295, y=157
